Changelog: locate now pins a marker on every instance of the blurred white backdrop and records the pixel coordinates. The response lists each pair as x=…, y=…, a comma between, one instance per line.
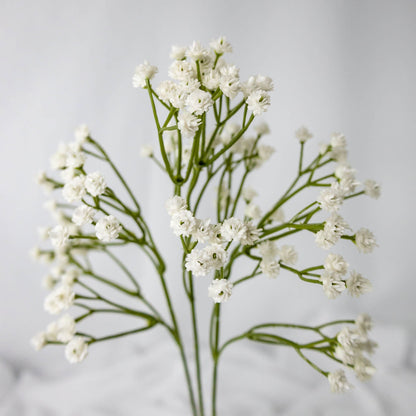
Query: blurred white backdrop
x=337, y=65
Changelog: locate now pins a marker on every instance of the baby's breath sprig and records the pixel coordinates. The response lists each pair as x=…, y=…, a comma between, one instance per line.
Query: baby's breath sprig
x=208, y=137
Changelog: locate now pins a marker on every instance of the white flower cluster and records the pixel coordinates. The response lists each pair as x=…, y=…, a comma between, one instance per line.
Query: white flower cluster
x=69, y=160
x=183, y=223
x=272, y=256
x=202, y=261
x=335, y=226
x=365, y=240
x=334, y=282
x=352, y=345
x=70, y=156
x=330, y=199
x=303, y=134
x=220, y=290
x=108, y=228
x=64, y=329
x=199, y=76
x=77, y=187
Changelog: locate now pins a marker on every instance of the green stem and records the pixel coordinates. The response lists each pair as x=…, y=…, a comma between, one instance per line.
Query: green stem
x=215, y=355
x=196, y=343
x=121, y=334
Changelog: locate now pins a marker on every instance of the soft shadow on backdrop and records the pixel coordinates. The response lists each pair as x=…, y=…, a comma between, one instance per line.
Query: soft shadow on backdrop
x=337, y=66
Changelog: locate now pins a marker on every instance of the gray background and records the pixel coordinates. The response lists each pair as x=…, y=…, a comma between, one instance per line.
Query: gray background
x=337, y=65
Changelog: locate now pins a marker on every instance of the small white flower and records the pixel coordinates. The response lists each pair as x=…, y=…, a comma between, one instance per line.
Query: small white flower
x=347, y=186
x=59, y=236
x=49, y=281
x=35, y=253
x=52, y=331
x=288, y=254
x=59, y=299
x=229, y=81
x=363, y=369
x=70, y=275
x=262, y=128
x=256, y=83
x=177, y=52
x=81, y=134
x=358, y=285
x=142, y=73
x=74, y=158
x=216, y=255
x=265, y=152
x=181, y=70
x=42, y=180
x=252, y=211
x=336, y=225
x=344, y=171
x=335, y=263
x=333, y=286
x=368, y=346
x=303, y=134
x=38, y=341
x=278, y=215
x=198, y=102
x=202, y=231
x=74, y=190
x=258, y=102
x=247, y=146
x=325, y=239
x=211, y=79
x=338, y=140
x=58, y=159
x=221, y=46
x=190, y=85
x=183, y=223
x=196, y=51
x=347, y=357
x=83, y=215
x=43, y=233
x=50, y=205
x=95, y=184
x=338, y=381
x=365, y=240
x=250, y=235
x=350, y=339
x=323, y=148
x=188, y=124
x=268, y=250
x=167, y=91
x=232, y=229
x=108, y=228
x=270, y=268
x=249, y=194
x=331, y=198
x=339, y=148
x=364, y=323
x=215, y=236
x=230, y=130
x=339, y=154
x=65, y=328
x=220, y=290
x=175, y=204
x=372, y=189
x=76, y=350
x=197, y=263
x=68, y=174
